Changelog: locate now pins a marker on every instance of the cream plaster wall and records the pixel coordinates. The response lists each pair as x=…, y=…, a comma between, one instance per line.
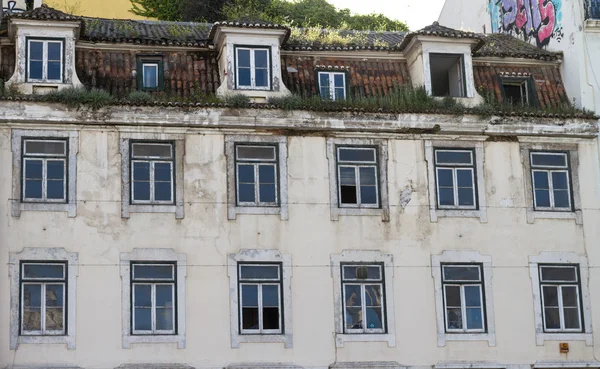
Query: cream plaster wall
x=99, y=235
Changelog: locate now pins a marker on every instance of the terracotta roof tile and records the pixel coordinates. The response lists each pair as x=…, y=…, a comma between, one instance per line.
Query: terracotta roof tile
x=502, y=45
x=44, y=12
x=436, y=29
x=307, y=39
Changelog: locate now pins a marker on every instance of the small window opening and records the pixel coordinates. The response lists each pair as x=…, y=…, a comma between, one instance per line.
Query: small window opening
x=447, y=75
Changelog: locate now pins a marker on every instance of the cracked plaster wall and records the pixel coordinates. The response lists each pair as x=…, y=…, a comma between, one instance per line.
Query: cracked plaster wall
x=98, y=234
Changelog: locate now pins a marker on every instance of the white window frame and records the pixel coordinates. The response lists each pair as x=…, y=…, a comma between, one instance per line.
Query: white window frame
x=45, y=43
x=463, y=257
x=256, y=163
x=454, y=167
x=159, y=256
x=44, y=158
x=332, y=87
x=549, y=170
x=561, y=258
x=476, y=145
x=258, y=257
x=33, y=255
x=383, y=207
x=357, y=166
x=175, y=206
x=259, y=283
x=252, y=68
x=154, y=65
x=43, y=282
x=233, y=207
x=153, y=283
x=362, y=284
x=523, y=86
x=461, y=285
x=528, y=145
x=152, y=160
x=70, y=186
x=364, y=257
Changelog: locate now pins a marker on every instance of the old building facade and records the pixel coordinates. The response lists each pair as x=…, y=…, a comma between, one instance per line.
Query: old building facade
x=175, y=234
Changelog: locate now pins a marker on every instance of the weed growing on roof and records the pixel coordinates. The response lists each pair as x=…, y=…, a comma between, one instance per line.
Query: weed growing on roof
x=321, y=36
x=237, y=100
x=76, y=97
x=139, y=97
x=10, y=91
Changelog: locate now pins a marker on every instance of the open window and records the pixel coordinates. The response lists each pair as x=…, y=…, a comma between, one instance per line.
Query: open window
x=447, y=75
x=518, y=91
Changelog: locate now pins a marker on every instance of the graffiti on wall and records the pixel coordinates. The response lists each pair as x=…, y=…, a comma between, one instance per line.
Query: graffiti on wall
x=539, y=20
x=12, y=8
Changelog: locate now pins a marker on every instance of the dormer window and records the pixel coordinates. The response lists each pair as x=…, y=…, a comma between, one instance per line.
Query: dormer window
x=45, y=60
x=447, y=75
x=253, y=68
x=518, y=91
x=332, y=85
x=150, y=73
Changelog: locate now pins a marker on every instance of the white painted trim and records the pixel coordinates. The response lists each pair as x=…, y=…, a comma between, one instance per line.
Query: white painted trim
x=469, y=365
x=541, y=364
x=179, y=151
x=43, y=254
x=253, y=255
x=548, y=257
x=139, y=254
x=454, y=256
x=382, y=161
x=491, y=60
x=363, y=256
x=367, y=365
x=434, y=212
x=282, y=154
x=70, y=207
x=262, y=365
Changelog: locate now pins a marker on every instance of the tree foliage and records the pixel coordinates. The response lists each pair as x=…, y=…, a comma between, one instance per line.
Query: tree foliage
x=295, y=13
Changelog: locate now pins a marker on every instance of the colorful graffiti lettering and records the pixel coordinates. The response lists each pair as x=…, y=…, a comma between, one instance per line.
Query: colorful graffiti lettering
x=538, y=20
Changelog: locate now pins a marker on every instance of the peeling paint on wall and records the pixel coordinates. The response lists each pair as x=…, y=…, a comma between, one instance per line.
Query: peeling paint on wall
x=539, y=20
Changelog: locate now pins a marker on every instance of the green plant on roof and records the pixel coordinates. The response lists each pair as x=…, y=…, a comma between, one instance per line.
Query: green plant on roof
x=126, y=28
x=179, y=31
x=334, y=37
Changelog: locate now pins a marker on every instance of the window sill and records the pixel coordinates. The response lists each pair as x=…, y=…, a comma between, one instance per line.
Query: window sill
x=532, y=215
x=286, y=339
x=70, y=341
x=233, y=211
x=179, y=339
x=336, y=212
x=18, y=207
x=592, y=25
x=341, y=338
x=587, y=337
x=156, y=208
x=489, y=337
x=457, y=213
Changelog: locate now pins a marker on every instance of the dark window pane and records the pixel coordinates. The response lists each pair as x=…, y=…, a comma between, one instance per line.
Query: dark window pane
x=554, y=160
x=324, y=81
x=36, y=50
x=347, y=176
x=244, y=76
x=461, y=273
x=453, y=157
x=352, y=295
x=267, y=193
x=48, y=271
x=552, y=318
x=445, y=177
x=446, y=196
x=542, y=198
x=338, y=80
x=33, y=169
x=452, y=296
x=361, y=272
x=249, y=295
x=374, y=318
x=569, y=295
x=32, y=301
x=162, y=191
x=150, y=76
x=326, y=93
x=141, y=191
x=256, y=152
x=472, y=296
x=270, y=318
x=464, y=178
x=261, y=77
x=152, y=150
x=572, y=318
x=560, y=180
x=141, y=171
x=454, y=318
x=356, y=155
x=259, y=271
x=354, y=318
x=368, y=195
x=243, y=58
x=54, y=51
x=143, y=319
x=367, y=176
x=164, y=295
x=141, y=271
x=55, y=189
x=270, y=294
x=250, y=318
x=561, y=199
x=373, y=295
x=35, y=70
x=164, y=318
x=261, y=59
x=45, y=147
x=465, y=197
x=246, y=193
x=348, y=195
x=162, y=172
x=266, y=173
x=55, y=169
x=550, y=273
x=142, y=295
x=512, y=94
x=54, y=307
x=348, y=185
x=54, y=71
x=550, y=295
x=246, y=173
x=340, y=94
x=540, y=180
x=474, y=320
x=33, y=189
